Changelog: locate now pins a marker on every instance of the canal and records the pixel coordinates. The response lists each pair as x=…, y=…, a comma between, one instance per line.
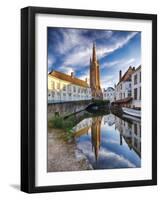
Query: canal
x=109, y=141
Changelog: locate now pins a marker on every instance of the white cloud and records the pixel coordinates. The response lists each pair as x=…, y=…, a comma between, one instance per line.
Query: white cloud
x=108, y=81
x=76, y=50
x=117, y=44
x=81, y=48
x=71, y=39
x=80, y=56
x=84, y=76
x=51, y=62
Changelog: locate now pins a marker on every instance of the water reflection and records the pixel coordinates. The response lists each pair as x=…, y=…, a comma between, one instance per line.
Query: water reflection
x=110, y=141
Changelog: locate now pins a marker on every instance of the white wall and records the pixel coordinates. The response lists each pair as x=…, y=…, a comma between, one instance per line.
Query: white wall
x=10, y=107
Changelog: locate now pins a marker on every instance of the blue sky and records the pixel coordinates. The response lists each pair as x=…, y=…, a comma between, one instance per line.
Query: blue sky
x=69, y=50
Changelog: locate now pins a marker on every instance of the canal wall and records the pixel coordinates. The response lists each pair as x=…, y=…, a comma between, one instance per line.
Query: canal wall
x=66, y=108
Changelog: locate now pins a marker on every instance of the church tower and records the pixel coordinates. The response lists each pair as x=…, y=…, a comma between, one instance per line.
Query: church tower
x=95, y=76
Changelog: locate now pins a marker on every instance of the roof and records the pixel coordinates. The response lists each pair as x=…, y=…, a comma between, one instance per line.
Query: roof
x=125, y=100
x=127, y=74
x=139, y=67
x=108, y=89
x=69, y=78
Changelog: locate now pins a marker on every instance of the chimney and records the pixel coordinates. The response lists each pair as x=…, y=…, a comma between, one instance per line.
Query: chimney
x=120, y=75
x=72, y=74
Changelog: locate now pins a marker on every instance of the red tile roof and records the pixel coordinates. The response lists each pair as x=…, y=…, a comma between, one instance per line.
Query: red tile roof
x=127, y=74
x=69, y=78
x=125, y=100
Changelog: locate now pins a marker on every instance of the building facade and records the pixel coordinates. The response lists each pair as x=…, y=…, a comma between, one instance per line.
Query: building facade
x=95, y=76
x=109, y=94
x=63, y=87
x=128, y=89
x=136, y=88
x=123, y=90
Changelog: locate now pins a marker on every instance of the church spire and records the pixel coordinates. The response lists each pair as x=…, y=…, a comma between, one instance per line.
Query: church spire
x=94, y=56
x=95, y=75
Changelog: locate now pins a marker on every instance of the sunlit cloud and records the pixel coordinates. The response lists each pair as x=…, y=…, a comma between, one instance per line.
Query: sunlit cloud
x=69, y=50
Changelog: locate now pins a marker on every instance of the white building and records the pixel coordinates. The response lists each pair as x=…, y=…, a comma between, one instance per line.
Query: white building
x=63, y=87
x=123, y=90
x=136, y=88
x=109, y=94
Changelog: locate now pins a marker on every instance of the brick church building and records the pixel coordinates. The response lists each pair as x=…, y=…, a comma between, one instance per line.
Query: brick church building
x=95, y=76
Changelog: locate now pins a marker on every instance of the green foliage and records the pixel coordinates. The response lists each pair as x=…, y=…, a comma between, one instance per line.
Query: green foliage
x=61, y=123
x=101, y=102
x=69, y=135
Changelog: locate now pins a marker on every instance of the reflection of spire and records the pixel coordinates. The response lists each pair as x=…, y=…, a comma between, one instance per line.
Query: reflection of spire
x=120, y=139
x=96, y=135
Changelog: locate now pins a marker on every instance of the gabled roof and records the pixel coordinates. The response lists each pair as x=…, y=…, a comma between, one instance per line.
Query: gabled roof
x=69, y=78
x=138, y=68
x=127, y=74
x=108, y=89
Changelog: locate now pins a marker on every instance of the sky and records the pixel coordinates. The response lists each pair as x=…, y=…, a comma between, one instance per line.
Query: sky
x=70, y=49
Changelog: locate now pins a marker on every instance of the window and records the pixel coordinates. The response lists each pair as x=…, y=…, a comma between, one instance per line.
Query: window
x=135, y=93
x=129, y=93
x=129, y=125
x=135, y=142
x=64, y=87
x=135, y=129
x=135, y=79
x=140, y=94
x=120, y=86
x=53, y=85
x=58, y=86
x=140, y=77
x=69, y=88
x=53, y=94
x=74, y=89
x=140, y=130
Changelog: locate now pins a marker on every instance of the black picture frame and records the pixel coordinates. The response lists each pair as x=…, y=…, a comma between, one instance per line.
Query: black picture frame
x=28, y=98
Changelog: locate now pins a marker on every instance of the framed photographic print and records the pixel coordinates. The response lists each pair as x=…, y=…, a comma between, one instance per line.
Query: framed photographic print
x=88, y=99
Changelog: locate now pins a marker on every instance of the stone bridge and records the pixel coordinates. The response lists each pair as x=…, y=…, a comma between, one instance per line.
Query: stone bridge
x=67, y=108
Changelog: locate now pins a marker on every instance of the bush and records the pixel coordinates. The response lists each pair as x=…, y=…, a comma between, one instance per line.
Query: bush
x=64, y=124
x=56, y=122
x=61, y=123
x=101, y=102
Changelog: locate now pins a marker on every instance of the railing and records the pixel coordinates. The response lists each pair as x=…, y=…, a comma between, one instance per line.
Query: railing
x=65, y=101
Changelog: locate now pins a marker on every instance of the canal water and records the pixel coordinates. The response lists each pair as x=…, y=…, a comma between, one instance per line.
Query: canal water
x=109, y=141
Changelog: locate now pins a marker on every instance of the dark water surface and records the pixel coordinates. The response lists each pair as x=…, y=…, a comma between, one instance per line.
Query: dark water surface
x=110, y=142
